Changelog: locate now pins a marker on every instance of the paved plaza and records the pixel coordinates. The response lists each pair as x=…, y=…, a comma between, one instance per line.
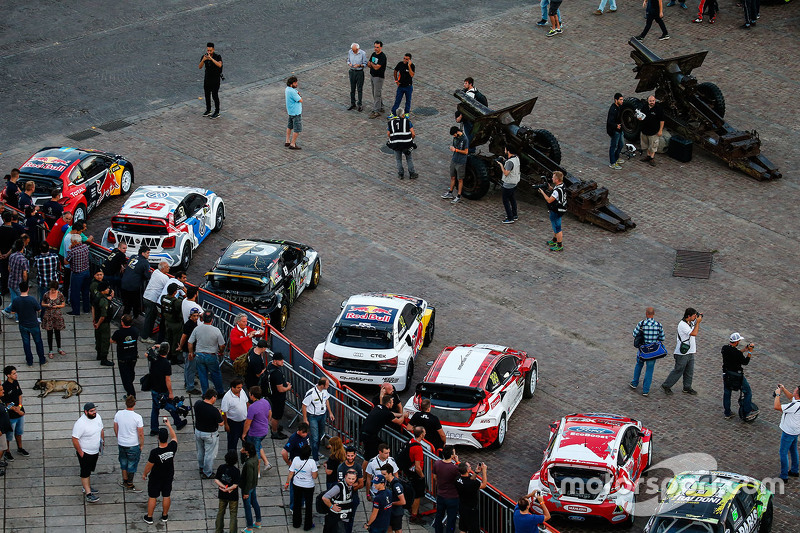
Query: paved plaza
x=489, y=282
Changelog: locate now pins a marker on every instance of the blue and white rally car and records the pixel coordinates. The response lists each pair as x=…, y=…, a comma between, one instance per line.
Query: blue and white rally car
x=171, y=221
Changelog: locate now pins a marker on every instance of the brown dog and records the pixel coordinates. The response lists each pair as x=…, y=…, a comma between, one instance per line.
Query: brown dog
x=46, y=386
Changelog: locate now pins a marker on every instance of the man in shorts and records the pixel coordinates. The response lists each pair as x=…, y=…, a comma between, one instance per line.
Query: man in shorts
x=652, y=129
x=294, y=107
x=458, y=164
x=87, y=438
x=161, y=469
x=555, y=18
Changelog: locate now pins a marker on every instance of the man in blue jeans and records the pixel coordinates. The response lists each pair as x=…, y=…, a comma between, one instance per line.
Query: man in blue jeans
x=207, y=341
x=207, y=420
x=27, y=309
x=653, y=332
x=545, y=5
x=316, y=408
x=445, y=476
x=404, y=73
x=732, y=361
x=129, y=429
x=614, y=130
x=790, y=429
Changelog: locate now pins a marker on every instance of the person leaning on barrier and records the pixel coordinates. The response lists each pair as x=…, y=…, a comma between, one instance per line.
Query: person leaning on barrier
x=375, y=421
x=468, y=490
x=525, y=519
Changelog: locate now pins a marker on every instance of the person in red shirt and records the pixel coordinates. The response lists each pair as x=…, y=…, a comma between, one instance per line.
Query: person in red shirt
x=417, y=475
x=60, y=228
x=242, y=337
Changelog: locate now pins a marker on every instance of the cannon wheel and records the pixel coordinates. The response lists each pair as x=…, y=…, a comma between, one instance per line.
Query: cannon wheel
x=631, y=126
x=712, y=96
x=546, y=142
x=476, y=180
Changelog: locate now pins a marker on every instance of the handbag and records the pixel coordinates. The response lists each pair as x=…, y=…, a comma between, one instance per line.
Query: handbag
x=651, y=352
x=733, y=380
x=638, y=340
x=684, y=347
x=144, y=381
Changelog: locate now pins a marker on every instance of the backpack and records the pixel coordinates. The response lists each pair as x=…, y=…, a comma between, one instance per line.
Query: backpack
x=560, y=205
x=481, y=98
x=638, y=341
x=241, y=363
x=408, y=491
x=403, y=457
x=266, y=386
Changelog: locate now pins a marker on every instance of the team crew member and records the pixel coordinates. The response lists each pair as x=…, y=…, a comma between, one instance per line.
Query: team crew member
x=416, y=474
x=127, y=353
x=468, y=490
x=380, y=415
x=316, y=408
x=339, y=499
x=279, y=386
x=381, y=515
x=395, y=488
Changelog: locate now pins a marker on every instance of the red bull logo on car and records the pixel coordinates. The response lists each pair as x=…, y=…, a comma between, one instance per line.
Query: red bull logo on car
x=369, y=312
x=47, y=163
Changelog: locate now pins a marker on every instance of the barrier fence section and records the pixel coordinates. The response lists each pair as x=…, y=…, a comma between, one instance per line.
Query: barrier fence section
x=496, y=510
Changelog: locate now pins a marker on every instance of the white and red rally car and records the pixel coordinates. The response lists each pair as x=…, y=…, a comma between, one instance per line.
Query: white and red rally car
x=474, y=389
x=591, y=466
x=376, y=339
x=171, y=221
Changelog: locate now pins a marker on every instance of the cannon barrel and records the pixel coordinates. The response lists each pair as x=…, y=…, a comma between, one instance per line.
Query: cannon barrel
x=647, y=55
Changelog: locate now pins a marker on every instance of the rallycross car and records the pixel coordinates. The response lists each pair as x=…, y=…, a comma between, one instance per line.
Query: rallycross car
x=591, y=466
x=171, y=221
x=376, y=339
x=265, y=276
x=707, y=501
x=474, y=389
x=86, y=177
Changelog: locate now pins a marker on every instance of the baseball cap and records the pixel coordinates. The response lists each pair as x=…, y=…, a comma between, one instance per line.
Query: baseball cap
x=195, y=311
x=378, y=478
x=88, y=406
x=262, y=344
x=735, y=337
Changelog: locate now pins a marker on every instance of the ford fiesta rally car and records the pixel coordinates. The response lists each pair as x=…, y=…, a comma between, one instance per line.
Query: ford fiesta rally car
x=85, y=177
x=474, y=389
x=376, y=339
x=171, y=221
x=706, y=501
x=265, y=276
x=591, y=466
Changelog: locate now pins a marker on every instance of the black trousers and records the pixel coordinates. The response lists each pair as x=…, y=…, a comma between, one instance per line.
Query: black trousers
x=212, y=91
x=751, y=8
x=649, y=22
x=132, y=303
x=510, y=203
x=235, y=434
x=127, y=374
x=303, y=496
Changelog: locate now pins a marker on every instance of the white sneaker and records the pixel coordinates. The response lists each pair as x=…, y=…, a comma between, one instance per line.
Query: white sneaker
x=446, y=196
x=456, y=199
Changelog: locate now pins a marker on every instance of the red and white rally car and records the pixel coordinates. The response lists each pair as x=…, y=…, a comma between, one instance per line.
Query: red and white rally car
x=474, y=389
x=591, y=466
x=86, y=177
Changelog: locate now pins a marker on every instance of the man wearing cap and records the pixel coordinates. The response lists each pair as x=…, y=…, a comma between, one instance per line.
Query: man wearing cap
x=395, y=487
x=316, y=408
x=206, y=341
x=278, y=387
x=733, y=376
x=255, y=363
x=234, y=413
x=189, y=359
x=87, y=438
x=161, y=388
x=161, y=469
x=378, y=521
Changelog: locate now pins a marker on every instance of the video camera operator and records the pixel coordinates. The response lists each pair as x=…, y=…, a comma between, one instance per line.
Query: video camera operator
x=733, y=376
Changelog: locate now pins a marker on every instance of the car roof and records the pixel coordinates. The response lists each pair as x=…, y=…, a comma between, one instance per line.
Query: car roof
x=169, y=196
x=53, y=161
x=467, y=365
x=702, y=495
x=251, y=255
x=589, y=438
x=371, y=310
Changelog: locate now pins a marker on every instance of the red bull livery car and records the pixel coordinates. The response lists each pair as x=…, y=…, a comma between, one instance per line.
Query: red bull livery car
x=376, y=339
x=474, y=389
x=591, y=466
x=171, y=221
x=85, y=177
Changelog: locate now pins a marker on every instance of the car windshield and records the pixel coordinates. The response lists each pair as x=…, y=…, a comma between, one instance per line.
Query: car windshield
x=361, y=337
x=681, y=525
x=227, y=283
x=581, y=483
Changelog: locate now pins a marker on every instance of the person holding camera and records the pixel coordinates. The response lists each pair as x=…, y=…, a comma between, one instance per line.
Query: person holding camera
x=733, y=376
x=458, y=164
x=469, y=488
x=686, y=347
x=557, y=205
x=527, y=521
x=212, y=62
x=510, y=167
x=161, y=386
x=652, y=119
x=790, y=429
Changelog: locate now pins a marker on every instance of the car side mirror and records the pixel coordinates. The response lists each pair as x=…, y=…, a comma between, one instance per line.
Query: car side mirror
x=343, y=302
x=517, y=373
x=408, y=340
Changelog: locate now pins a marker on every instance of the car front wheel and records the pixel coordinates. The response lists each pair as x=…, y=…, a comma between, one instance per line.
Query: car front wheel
x=530, y=383
x=430, y=330
x=280, y=317
x=79, y=214
x=186, y=256
x=219, y=220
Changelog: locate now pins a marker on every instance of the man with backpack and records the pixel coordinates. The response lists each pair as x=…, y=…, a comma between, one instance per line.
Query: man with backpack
x=557, y=205
x=338, y=501
x=251, y=365
x=397, y=489
x=172, y=311
x=649, y=331
x=409, y=461
x=102, y=323
x=472, y=92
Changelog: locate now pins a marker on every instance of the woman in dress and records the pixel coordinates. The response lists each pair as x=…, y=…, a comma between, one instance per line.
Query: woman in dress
x=52, y=320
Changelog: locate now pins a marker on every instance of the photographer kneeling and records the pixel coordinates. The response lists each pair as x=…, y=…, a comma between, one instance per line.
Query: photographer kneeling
x=527, y=521
x=733, y=376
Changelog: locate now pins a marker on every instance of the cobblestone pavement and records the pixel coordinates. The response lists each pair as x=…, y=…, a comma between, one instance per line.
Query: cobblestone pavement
x=497, y=283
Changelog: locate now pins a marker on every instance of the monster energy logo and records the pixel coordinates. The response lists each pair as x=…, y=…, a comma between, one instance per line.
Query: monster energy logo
x=292, y=290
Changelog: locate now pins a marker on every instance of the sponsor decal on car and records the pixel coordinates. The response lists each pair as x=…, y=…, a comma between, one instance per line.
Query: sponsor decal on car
x=156, y=194
x=370, y=313
x=590, y=430
x=577, y=509
x=47, y=163
x=618, y=518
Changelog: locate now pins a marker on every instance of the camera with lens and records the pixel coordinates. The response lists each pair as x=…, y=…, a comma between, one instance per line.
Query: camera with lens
x=152, y=353
x=500, y=159
x=545, y=184
x=177, y=402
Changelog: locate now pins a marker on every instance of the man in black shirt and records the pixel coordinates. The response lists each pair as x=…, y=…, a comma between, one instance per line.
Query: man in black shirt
x=404, y=73
x=161, y=469
x=161, y=387
x=16, y=413
x=732, y=373
x=212, y=61
x=227, y=479
x=52, y=209
x=127, y=353
x=652, y=129
x=433, y=427
x=614, y=130
x=133, y=278
x=468, y=489
x=377, y=73
x=278, y=386
x=380, y=415
x=255, y=364
x=207, y=420
x=113, y=266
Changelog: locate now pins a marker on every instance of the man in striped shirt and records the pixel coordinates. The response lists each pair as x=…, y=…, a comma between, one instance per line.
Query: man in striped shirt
x=47, y=268
x=653, y=332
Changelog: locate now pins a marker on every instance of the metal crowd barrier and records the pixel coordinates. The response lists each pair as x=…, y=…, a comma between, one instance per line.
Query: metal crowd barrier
x=349, y=407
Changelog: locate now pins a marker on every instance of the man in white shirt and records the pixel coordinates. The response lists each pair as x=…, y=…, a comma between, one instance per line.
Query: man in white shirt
x=151, y=298
x=234, y=413
x=790, y=428
x=374, y=468
x=189, y=303
x=180, y=281
x=316, y=405
x=685, y=348
x=87, y=438
x=129, y=429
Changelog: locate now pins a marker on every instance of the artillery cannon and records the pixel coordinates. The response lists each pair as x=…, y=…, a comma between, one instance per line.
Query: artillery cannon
x=539, y=154
x=694, y=110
